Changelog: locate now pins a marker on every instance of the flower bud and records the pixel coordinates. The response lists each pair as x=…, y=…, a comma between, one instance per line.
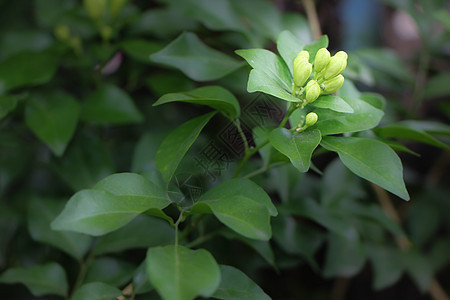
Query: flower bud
x=62, y=32
x=322, y=59
x=336, y=65
x=302, y=71
x=311, y=119
x=304, y=54
x=312, y=91
x=116, y=6
x=333, y=84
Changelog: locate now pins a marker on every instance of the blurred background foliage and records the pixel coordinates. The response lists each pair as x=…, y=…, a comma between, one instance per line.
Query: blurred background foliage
x=77, y=84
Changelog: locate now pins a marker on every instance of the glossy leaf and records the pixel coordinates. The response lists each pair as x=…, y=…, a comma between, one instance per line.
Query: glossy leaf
x=364, y=117
x=141, y=284
x=112, y=203
x=142, y=232
x=41, y=213
x=195, y=59
x=96, y=291
x=405, y=131
x=140, y=49
x=333, y=103
x=235, y=285
x=268, y=65
x=110, y=105
x=27, y=68
x=179, y=273
x=258, y=81
x=288, y=46
x=53, y=117
x=371, y=160
x=177, y=143
x=213, y=96
x=297, y=146
x=48, y=279
x=241, y=205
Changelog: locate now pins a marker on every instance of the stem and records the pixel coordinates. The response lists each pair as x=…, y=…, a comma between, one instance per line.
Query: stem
x=189, y=228
x=265, y=168
x=313, y=19
x=419, y=82
x=176, y=227
x=201, y=239
x=83, y=269
x=237, y=123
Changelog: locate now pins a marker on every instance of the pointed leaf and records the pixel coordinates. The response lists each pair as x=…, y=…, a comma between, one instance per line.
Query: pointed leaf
x=140, y=49
x=387, y=265
x=258, y=81
x=48, y=279
x=195, y=59
x=235, y=285
x=214, y=96
x=53, y=117
x=96, y=291
x=177, y=143
x=334, y=103
x=179, y=273
x=270, y=64
x=364, y=117
x=241, y=205
x=110, y=271
x=41, y=212
x=370, y=159
x=7, y=104
x=110, y=105
x=297, y=146
x=114, y=202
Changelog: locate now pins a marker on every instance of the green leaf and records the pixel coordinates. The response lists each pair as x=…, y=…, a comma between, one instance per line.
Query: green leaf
x=213, y=96
x=407, y=131
x=40, y=214
x=268, y=65
x=53, y=117
x=48, y=279
x=241, y=205
x=7, y=104
x=419, y=268
x=27, y=68
x=110, y=105
x=345, y=256
x=288, y=46
x=136, y=235
x=297, y=146
x=387, y=265
x=312, y=48
x=334, y=103
x=179, y=273
x=96, y=291
x=371, y=160
x=364, y=117
x=195, y=59
x=140, y=49
x=177, y=143
x=374, y=99
x=112, y=203
x=109, y=270
x=258, y=81
x=235, y=285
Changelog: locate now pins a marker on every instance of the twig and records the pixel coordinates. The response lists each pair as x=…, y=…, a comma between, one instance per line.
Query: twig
x=313, y=19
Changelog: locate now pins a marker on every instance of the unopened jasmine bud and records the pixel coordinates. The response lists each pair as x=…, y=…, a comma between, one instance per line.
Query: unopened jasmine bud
x=302, y=71
x=311, y=119
x=312, y=91
x=322, y=59
x=95, y=8
x=336, y=65
x=62, y=32
x=333, y=84
x=301, y=54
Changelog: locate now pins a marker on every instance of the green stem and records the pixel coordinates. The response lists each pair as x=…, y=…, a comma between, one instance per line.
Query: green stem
x=190, y=227
x=176, y=227
x=265, y=169
x=201, y=239
x=419, y=83
x=84, y=264
x=237, y=123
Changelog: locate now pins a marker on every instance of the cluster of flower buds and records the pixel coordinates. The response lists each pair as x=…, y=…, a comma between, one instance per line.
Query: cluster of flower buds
x=327, y=77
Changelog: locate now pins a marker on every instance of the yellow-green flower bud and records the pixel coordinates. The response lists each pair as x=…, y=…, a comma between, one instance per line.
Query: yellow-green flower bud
x=336, y=65
x=304, y=54
x=62, y=32
x=322, y=59
x=312, y=91
x=311, y=119
x=116, y=6
x=332, y=85
x=302, y=71
x=95, y=8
